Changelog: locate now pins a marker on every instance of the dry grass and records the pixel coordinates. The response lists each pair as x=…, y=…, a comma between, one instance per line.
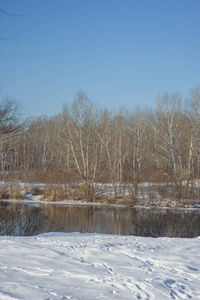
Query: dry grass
x=110, y=200
x=49, y=193
x=15, y=191
x=43, y=198
x=61, y=192
x=52, y=197
x=54, y=193
x=12, y=191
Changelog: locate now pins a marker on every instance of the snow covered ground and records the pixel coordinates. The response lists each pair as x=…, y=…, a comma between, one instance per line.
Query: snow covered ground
x=94, y=266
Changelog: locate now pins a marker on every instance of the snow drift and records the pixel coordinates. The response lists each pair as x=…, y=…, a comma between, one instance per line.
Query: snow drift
x=94, y=266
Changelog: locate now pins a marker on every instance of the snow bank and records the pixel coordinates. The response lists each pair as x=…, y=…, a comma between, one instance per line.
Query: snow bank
x=93, y=266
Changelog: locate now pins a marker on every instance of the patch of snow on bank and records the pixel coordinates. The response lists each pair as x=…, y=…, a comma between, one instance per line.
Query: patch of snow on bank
x=94, y=266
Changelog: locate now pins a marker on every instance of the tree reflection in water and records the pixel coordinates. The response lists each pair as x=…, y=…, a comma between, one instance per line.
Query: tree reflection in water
x=167, y=223
x=29, y=219
x=24, y=220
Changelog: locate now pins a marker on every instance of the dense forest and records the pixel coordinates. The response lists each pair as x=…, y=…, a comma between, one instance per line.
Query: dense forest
x=89, y=145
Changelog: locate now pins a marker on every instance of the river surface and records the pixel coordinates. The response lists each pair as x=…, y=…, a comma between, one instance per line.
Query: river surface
x=25, y=219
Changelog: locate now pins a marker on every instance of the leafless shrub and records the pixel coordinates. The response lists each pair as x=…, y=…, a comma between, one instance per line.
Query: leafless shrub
x=151, y=193
x=132, y=195
x=76, y=192
x=99, y=192
x=166, y=224
x=4, y=192
x=163, y=190
x=37, y=190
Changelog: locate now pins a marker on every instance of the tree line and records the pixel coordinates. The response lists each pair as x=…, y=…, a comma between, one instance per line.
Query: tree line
x=89, y=144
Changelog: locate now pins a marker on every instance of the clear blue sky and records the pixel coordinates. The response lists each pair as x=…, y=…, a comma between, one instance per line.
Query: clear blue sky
x=120, y=52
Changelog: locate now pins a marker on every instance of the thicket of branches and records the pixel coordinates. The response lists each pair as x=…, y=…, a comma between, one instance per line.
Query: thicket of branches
x=88, y=144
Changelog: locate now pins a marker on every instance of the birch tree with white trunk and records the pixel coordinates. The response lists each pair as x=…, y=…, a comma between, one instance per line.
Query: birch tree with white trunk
x=193, y=118
x=166, y=122
x=78, y=137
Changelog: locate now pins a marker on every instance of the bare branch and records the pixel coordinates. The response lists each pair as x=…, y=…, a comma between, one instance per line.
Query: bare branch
x=6, y=39
x=7, y=13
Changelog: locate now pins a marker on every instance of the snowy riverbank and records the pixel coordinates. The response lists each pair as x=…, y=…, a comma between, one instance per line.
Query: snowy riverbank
x=93, y=266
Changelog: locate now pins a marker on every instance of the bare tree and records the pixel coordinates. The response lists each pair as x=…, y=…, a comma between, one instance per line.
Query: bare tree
x=138, y=124
x=193, y=118
x=108, y=137
x=120, y=121
x=78, y=137
x=166, y=123
x=9, y=128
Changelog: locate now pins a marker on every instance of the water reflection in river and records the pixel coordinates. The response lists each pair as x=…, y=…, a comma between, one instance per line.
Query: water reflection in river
x=91, y=219
x=30, y=219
